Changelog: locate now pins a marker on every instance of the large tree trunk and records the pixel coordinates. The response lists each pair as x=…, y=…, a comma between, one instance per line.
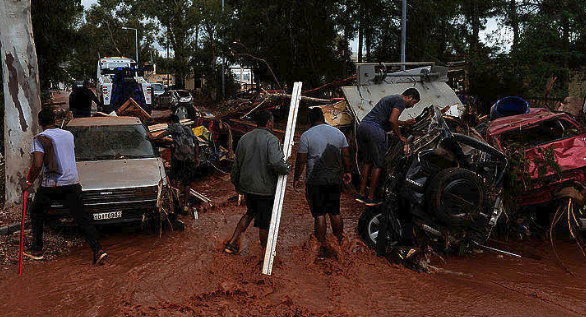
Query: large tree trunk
x=21, y=92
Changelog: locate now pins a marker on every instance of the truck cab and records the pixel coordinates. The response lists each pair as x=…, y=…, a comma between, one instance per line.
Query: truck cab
x=107, y=69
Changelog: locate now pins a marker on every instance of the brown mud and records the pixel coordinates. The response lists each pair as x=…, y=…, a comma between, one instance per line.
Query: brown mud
x=186, y=274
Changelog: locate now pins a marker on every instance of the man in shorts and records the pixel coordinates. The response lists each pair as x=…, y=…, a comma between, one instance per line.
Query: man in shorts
x=324, y=149
x=258, y=163
x=372, y=139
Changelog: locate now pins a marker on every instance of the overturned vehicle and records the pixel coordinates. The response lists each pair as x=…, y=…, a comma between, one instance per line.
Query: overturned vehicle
x=444, y=194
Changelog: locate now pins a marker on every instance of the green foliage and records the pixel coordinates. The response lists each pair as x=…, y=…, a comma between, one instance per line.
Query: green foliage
x=309, y=40
x=102, y=35
x=54, y=33
x=297, y=38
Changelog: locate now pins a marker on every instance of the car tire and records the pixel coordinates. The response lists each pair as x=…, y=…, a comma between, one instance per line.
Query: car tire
x=185, y=112
x=369, y=224
x=458, y=197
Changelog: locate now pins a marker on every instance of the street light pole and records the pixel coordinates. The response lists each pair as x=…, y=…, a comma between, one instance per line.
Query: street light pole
x=135, y=41
x=403, y=34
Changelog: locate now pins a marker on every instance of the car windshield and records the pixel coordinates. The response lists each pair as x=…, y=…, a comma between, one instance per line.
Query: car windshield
x=157, y=87
x=93, y=143
x=541, y=133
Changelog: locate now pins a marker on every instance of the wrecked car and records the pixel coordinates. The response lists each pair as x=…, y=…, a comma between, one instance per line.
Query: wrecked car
x=444, y=193
x=179, y=101
x=547, y=151
x=120, y=172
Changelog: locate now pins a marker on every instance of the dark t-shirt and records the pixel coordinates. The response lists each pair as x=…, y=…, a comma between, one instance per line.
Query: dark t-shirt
x=323, y=144
x=81, y=100
x=381, y=113
x=184, y=142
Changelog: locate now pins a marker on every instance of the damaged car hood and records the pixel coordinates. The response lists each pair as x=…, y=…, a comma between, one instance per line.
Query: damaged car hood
x=123, y=173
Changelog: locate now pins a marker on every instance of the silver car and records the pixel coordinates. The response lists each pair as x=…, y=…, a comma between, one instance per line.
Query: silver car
x=119, y=169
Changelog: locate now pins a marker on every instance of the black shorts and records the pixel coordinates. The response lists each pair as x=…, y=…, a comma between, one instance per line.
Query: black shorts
x=261, y=207
x=323, y=199
x=372, y=144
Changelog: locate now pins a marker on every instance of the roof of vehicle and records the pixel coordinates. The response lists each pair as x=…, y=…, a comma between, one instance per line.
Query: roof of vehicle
x=504, y=124
x=103, y=121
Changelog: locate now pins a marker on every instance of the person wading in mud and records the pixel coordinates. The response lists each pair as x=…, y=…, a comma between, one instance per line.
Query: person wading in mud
x=372, y=139
x=259, y=161
x=325, y=151
x=53, y=152
x=184, y=157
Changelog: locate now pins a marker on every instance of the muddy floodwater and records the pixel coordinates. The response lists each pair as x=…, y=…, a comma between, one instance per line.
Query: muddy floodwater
x=186, y=274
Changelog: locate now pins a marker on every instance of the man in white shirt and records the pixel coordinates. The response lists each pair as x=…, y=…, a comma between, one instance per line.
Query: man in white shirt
x=53, y=153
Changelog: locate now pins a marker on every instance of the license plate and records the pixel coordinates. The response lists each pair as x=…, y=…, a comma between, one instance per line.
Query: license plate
x=108, y=215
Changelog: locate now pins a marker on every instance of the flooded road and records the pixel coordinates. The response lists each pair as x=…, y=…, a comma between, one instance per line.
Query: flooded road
x=186, y=274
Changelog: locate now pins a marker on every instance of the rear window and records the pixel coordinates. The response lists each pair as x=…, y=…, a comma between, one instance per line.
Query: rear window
x=95, y=143
x=542, y=133
x=183, y=94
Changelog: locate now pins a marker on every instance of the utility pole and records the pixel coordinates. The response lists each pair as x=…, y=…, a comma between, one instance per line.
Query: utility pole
x=168, y=68
x=403, y=34
x=22, y=94
x=223, y=65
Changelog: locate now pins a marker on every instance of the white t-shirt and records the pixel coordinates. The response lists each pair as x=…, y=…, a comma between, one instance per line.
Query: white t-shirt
x=64, y=156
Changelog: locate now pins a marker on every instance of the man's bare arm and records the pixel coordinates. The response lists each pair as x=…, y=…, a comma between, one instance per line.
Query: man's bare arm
x=347, y=178
x=299, y=165
x=394, y=120
x=36, y=168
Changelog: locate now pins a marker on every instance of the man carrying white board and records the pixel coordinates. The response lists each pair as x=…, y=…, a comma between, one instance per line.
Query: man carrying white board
x=258, y=163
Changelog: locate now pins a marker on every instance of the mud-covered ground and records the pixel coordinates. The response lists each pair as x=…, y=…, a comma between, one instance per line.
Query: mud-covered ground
x=186, y=274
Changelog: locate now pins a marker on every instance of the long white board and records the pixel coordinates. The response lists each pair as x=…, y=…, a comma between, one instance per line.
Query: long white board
x=267, y=266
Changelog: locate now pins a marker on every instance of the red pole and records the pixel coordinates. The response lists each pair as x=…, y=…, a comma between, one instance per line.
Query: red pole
x=21, y=248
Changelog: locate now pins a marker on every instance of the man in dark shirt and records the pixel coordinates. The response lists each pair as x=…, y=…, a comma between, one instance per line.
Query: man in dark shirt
x=184, y=157
x=258, y=163
x=372, y=138
x=80, y=101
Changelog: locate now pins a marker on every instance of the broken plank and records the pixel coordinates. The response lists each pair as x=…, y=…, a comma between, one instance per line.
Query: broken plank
x=163, y=126
x=199, y=196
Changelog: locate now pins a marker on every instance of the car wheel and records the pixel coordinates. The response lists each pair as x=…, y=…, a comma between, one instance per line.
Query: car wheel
x=458, y=197
x=369, y=226
x=181, y=112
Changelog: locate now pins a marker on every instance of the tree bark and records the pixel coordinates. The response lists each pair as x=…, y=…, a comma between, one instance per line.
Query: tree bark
x=21, y=92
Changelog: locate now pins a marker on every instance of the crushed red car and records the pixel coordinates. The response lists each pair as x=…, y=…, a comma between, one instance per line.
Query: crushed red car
x=543, y=136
